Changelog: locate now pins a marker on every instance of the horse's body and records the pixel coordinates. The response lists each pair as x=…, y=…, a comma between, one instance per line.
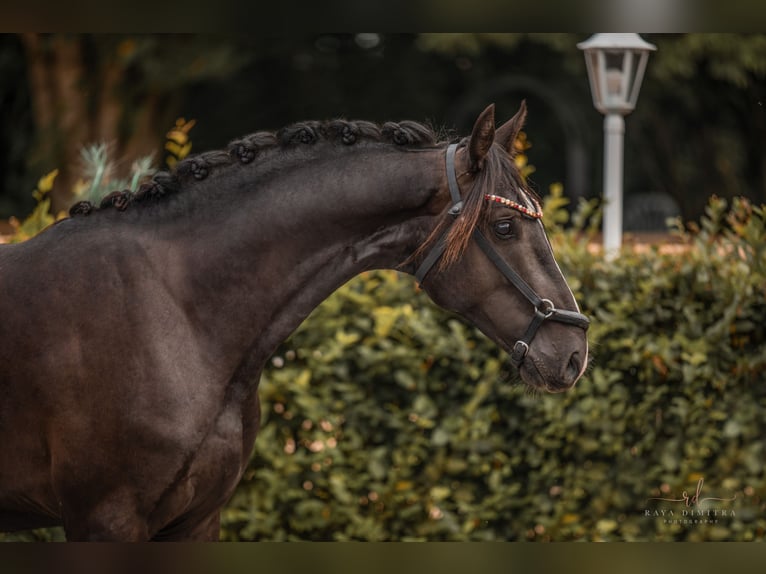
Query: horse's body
x=132, y=340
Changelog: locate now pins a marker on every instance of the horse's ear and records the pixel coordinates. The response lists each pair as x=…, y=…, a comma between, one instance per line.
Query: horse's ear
x=506, y=134
x=482, y=136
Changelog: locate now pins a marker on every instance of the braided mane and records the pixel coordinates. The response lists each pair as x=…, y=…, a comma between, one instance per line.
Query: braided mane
x=252, y=148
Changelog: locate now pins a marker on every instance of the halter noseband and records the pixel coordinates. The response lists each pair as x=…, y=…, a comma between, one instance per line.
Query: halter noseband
x=544, y=308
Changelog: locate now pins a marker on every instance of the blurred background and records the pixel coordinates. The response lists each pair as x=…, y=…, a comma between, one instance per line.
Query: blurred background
x=699, y=127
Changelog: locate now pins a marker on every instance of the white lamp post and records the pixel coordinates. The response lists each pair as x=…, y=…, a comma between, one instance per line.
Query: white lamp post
x=616, y=65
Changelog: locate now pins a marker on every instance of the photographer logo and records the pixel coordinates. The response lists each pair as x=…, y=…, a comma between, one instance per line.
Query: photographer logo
x=691, y=508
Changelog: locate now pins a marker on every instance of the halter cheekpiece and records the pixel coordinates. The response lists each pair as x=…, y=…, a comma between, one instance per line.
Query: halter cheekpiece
x=544, y=308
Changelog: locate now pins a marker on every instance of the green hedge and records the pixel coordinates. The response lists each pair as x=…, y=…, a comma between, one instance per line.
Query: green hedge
x=387, y=419
x=384, y=418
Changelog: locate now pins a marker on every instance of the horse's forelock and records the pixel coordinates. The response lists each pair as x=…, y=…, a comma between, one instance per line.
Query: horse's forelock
x=498, y=175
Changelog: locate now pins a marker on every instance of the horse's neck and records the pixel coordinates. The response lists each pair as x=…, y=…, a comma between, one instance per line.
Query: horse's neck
x=260, y=270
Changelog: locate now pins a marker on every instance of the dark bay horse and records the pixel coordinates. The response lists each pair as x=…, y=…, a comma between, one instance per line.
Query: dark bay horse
x=133, y=334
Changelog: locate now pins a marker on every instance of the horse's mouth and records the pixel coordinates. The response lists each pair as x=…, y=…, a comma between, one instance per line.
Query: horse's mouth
x=533, y=371
x=538, y=376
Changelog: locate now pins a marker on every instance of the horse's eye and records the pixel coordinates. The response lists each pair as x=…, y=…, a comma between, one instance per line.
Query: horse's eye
x=503, y=229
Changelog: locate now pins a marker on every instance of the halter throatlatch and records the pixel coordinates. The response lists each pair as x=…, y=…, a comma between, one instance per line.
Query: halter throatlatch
x=544, y=308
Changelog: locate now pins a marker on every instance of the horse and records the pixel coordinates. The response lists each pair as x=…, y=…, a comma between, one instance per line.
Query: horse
x=134, y=332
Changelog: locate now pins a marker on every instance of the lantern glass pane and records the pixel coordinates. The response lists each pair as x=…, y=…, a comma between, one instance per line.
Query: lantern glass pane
x=594, y=75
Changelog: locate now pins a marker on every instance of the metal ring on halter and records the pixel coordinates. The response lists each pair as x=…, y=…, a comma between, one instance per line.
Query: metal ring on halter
x=548, y=308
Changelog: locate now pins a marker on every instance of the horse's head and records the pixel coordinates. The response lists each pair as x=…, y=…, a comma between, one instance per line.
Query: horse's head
x=490, y=261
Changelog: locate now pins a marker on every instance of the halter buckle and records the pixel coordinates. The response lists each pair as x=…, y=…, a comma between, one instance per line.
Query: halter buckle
x=456, y=209
x=520, y=350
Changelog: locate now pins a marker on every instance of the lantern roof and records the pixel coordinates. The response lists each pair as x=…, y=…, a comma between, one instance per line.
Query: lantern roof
x=616, y=42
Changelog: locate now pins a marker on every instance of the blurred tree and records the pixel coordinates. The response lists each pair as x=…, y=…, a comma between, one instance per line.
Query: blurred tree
x=294, y=78
x=549, y=73
x=16, y=129
x=701, y=125
x=122, y=90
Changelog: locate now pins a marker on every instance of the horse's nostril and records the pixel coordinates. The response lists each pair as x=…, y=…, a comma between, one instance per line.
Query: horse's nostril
x=575, y=365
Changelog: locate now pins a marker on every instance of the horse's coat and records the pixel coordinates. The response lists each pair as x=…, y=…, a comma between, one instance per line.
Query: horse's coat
x=133, y=335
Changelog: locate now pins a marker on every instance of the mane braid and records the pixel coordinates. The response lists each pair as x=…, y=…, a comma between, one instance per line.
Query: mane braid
x=249, y=148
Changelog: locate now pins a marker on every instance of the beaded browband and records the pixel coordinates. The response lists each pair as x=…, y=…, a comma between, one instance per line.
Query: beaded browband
x=534, y=214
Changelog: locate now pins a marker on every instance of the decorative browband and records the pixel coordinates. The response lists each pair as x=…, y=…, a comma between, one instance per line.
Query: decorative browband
x=517, y=206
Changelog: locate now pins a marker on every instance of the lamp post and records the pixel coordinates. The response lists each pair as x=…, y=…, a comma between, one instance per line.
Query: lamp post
x=616, y=65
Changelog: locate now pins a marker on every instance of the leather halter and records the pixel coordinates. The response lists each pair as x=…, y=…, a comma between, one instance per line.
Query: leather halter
x=544, y=308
